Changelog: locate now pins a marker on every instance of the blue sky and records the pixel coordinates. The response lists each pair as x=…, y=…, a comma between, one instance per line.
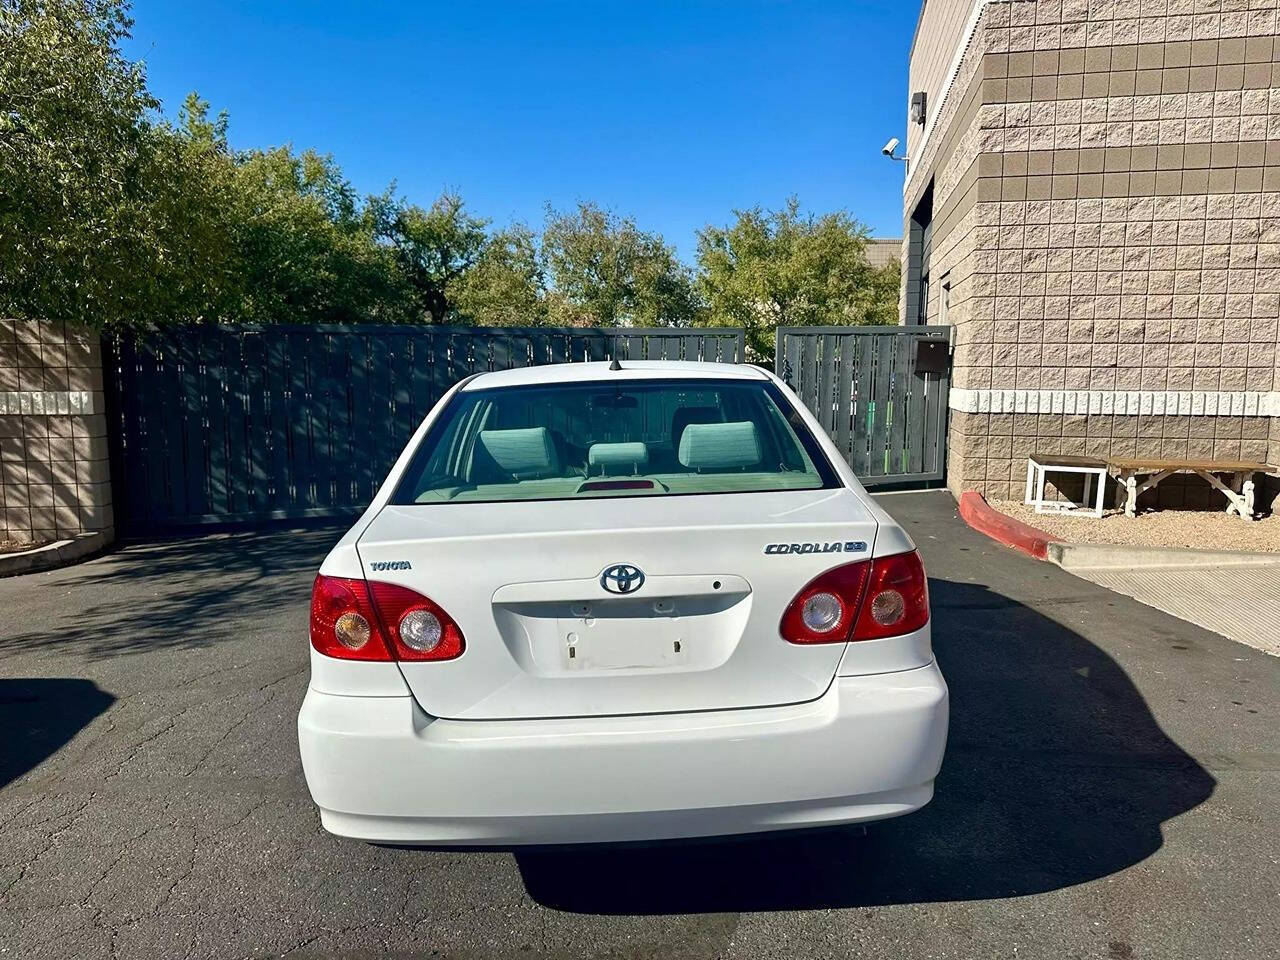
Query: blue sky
x=673, y=112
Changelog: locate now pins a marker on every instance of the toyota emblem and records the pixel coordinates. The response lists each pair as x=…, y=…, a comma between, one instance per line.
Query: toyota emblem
x=622, y=578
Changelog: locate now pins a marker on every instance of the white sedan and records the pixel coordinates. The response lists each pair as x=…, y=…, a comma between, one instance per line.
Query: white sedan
x=599, y=604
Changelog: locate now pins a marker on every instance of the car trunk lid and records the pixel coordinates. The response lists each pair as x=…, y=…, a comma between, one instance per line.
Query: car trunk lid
x=559, y=624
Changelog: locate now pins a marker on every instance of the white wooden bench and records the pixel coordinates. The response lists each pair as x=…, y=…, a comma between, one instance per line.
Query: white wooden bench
x=1136, y=475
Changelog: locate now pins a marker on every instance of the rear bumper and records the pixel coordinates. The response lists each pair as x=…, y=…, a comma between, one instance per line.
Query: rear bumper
x=382, y=770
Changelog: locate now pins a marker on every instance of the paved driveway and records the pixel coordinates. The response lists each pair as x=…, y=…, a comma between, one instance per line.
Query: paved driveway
x=1109, y=791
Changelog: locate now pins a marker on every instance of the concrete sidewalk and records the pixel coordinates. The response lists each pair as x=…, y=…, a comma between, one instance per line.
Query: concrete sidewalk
x=1239, y=600
x=1231, y=592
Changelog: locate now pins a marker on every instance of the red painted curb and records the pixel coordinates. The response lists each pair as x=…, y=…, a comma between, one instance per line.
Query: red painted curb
x=977, y=513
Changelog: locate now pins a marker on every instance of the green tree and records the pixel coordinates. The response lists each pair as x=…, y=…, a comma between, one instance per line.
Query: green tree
x=435, y=249
x=886, y=283
x=308, y=246
x=271, y=236
x=782, y=267
x=197, y=274
x=75, y=234
x=112, y=215
x=607, y=272
x=506, y=285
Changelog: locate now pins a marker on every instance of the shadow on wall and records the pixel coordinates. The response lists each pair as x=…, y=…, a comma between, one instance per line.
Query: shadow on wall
x=186, y=593
x=40, y=715
x=1056, y=773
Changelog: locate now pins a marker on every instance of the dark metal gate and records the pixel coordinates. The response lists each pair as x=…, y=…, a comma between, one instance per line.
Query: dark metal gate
x=879, y=394
x=244, y=424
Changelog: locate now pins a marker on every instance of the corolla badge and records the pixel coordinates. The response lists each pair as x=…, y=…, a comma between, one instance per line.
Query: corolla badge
x=622, y=578
x=843, y=546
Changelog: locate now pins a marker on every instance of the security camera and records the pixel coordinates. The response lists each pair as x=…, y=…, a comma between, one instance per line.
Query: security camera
x=890, y=147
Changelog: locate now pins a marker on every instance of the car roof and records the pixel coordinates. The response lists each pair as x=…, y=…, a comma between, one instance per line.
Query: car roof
x=631, y=370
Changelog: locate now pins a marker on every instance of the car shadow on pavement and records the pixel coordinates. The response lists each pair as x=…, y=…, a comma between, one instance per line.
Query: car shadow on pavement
x=184, y=593
x=40, y=715
x=1056, y=773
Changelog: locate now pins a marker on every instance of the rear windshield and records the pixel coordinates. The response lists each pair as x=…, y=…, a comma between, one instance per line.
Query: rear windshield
x=602, y=439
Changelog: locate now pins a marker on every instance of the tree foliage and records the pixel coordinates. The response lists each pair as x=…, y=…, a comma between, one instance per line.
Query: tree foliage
x=607, y=272
x=782, y=267
x=506, y=285
x=113, y=215
x=75, y=156
x=436, y=249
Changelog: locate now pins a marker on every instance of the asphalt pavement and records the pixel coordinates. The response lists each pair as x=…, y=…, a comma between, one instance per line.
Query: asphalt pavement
x=1110, y=790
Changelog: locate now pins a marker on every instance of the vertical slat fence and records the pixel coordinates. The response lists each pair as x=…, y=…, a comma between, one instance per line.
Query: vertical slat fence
x=224, y=424
x=886, y=417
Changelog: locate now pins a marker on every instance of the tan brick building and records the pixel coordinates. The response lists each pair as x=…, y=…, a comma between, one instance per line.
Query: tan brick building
x=881, y=251
x=1093, y=201
x=55, y=478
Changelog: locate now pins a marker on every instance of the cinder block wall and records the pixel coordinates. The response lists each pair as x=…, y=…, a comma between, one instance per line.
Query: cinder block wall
x=1106, y=180
x=54, y=475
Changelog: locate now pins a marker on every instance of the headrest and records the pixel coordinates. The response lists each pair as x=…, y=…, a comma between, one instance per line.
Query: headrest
x=526, y=454
x=627, y=456
x=716, y=446
x=687, y=415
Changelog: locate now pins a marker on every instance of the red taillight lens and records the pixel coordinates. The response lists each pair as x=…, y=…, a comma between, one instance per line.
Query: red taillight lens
x=355, y=620
x=418, y=628
x=343, y=623
x=825, y=610
x=897, y=599
x=865, y=600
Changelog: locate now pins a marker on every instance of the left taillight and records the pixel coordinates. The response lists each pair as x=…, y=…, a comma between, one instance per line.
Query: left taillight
x=343, y=621
x=359, y=620
x=418, y=627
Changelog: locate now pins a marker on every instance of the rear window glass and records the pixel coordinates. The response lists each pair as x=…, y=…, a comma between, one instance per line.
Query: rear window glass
x=602, y=439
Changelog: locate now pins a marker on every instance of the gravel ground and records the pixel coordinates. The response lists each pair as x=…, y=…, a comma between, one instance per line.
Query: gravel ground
x=1201, y=529
x=17, y=546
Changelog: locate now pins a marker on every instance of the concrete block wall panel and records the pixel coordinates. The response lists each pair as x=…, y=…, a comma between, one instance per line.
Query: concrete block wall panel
x=1122, y=246
x=55, y=479
x=947, y=161
x=881, y=251
x=938, y=32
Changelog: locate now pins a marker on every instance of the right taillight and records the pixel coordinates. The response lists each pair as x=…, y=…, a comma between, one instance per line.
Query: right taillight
x=826, y=609
x=359, y=620
x=864, y=600
x=897, y=599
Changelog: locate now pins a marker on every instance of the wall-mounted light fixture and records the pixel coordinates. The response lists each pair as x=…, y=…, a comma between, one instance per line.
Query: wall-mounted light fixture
x=919, y=104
